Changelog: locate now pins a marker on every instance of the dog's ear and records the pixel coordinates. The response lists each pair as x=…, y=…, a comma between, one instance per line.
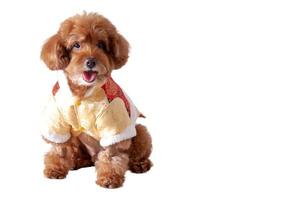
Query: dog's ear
x=54, y=54
x=119, y=49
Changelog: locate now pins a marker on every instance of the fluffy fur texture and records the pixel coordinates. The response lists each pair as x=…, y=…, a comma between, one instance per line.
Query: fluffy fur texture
x=80, y=38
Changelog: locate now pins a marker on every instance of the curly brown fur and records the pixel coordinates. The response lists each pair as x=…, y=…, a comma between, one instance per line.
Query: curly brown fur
x=112, y=164
x=64, y=157
x=79, y=90
x=117, y=159
x=82, y=37
x=140, y=151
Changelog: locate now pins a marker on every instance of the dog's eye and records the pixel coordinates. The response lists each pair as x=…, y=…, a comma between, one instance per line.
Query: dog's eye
x=102, y=45
x=76, y=45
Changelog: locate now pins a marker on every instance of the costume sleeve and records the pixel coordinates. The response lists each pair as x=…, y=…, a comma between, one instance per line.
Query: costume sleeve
x=54, y=127
x=114, y=124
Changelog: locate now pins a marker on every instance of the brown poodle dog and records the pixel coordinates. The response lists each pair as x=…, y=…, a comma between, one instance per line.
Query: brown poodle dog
x=86, y=49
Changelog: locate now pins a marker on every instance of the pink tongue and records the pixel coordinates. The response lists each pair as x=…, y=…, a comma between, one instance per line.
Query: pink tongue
x=89, y=76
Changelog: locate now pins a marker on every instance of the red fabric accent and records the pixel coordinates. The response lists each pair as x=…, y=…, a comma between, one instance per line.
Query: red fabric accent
x=55, y=88
x=113, y=90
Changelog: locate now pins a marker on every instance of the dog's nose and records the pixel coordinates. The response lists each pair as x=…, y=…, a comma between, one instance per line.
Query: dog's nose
x=90, y=62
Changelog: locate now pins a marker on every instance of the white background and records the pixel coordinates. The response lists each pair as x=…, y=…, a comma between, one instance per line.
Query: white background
x=219, y=81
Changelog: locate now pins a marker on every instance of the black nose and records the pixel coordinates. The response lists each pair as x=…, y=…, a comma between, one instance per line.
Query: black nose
x=90, y=62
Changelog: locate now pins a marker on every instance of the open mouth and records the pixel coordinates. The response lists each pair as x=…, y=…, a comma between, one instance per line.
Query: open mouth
x=89, y=76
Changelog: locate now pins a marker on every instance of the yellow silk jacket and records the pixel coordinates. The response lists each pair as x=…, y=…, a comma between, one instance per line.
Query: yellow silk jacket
x=106, y=113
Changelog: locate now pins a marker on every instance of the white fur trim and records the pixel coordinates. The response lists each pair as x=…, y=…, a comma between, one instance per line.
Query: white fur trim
x=56, y=138
x=128, y=133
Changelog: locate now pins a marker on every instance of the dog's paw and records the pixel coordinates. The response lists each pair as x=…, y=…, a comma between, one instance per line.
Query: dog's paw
x=140, y=167
x=110, y=180
x=54, y=174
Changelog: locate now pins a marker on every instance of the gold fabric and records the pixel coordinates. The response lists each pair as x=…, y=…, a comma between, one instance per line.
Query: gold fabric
x=93, y=115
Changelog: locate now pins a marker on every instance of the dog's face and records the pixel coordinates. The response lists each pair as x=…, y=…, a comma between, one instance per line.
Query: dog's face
x=87, y=47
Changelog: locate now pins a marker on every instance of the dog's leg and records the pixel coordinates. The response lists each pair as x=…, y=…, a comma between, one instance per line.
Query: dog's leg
x=140, y=151
x=64, y=157
x=112, y=164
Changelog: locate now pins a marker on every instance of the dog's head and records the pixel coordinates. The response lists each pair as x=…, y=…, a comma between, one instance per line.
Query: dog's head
x=87, y=47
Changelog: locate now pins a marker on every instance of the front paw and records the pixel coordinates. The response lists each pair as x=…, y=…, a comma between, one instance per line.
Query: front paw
x=54, y=173
x=110, y=180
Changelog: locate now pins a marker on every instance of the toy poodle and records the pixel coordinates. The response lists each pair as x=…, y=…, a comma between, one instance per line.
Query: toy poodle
x=89, y=119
